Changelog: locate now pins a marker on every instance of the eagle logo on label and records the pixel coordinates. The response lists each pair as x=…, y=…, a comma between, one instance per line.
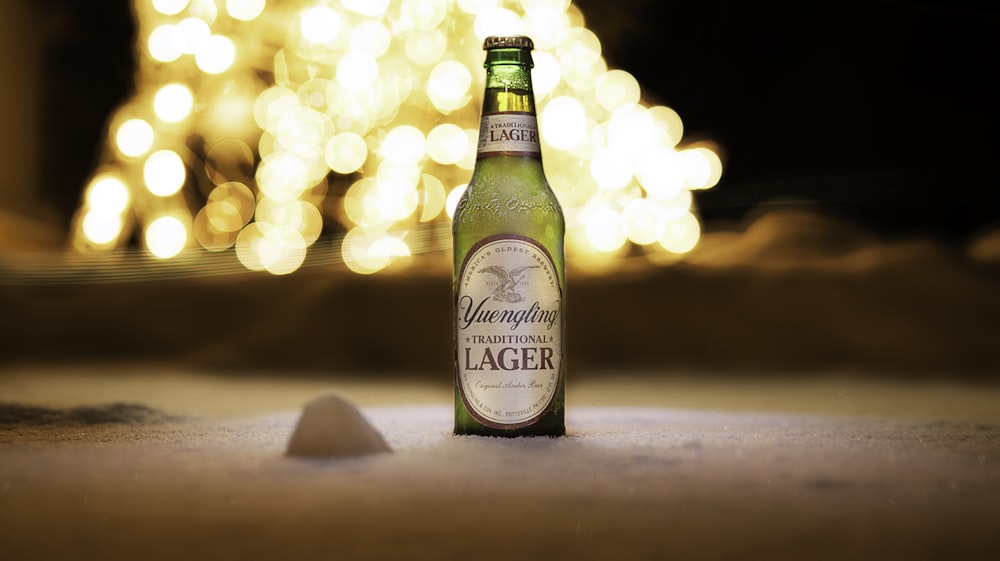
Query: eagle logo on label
x=507, y=282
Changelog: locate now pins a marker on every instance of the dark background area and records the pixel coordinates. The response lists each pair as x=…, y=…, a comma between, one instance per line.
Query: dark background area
x=89, y=59
x=883, y=110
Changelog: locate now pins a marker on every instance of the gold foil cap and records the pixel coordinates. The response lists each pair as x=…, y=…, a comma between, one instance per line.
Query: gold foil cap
x=508, y=42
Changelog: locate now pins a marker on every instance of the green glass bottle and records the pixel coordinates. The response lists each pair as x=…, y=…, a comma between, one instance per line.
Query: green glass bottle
x=508, y=234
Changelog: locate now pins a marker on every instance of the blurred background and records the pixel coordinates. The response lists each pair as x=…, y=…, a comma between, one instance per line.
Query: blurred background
x=849, y=222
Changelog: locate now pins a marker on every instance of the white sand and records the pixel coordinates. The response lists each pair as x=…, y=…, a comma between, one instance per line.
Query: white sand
x=653, y=468
x=332, y=427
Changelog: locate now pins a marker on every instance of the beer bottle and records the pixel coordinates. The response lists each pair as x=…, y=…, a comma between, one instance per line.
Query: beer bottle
x=509, y=282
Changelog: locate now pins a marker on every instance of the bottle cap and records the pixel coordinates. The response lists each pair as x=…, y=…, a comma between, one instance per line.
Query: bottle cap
x=508, y=42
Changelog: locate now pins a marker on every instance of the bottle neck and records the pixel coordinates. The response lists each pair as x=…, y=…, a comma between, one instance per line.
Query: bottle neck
x=509, y=126
x=508, y=82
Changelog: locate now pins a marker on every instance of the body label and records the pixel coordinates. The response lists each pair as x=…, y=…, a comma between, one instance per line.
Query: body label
x=508, y=331
x=508, y=133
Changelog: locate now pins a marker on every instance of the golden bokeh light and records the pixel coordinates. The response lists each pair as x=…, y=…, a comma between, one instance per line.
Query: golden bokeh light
x=357, y=71
x=371, y=37
x=223, y=217
x=166, y=236
x=473, y=7
x=215, y=54
x=107, y=193
x=134, y=137
x=681, y=234
x=101, y=226
x=644, y=221
x=346, y=153
x=238, y=196
x=617, y=88
x=403, y=145
x=260, y=128
x=604, y=227
x=546, y=74
x=164, y=173
x=320, y=24
x=282, y=176
x=299, y=216
x=358, y=202
x=432, y=198
x=447, y=144
x=280, y=249
x=425, y=48
x=448, y=86
x=191, y=33
x=162, y=43
x=205, y=227
x=563, y=122
x=497, y=21
x=247, y=244
x=245, y=10
x=451, y=202
x=702, y=167
x=660, y=174
x=361, y=252
x=424, y=14
x=611, y=168
x=579, y=49
x=271, y=104
x=169, y=7
x=173, y=102
x=370, y=8
x=546, y=23
x=667, y=125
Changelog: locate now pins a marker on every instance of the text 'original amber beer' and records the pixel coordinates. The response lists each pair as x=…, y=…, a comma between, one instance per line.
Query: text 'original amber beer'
x=509, y=280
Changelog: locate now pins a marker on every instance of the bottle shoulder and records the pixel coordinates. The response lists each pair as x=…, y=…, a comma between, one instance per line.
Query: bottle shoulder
x=510, y=198
x=498, y=176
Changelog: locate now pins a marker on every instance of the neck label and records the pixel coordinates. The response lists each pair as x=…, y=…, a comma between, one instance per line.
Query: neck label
x=508, y=133
x=508, y=331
